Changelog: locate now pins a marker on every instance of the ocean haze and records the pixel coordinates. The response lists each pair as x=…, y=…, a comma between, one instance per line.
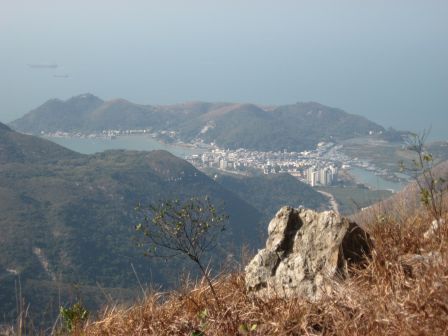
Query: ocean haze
x=384, y=60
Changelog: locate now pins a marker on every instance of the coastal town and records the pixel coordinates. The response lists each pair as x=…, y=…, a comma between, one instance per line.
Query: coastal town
x=318, y=167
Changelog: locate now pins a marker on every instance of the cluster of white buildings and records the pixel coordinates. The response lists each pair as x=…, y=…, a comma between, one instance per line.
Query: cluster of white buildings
x=308, y=166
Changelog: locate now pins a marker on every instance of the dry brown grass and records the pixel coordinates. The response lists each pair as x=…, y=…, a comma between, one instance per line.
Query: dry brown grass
x=388, y=297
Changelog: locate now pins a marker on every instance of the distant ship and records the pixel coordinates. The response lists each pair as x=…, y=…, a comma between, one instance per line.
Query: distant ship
x=61, y=76
x=43, y=66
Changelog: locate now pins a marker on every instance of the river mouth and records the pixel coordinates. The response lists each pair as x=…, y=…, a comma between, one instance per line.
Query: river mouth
x=373, y=181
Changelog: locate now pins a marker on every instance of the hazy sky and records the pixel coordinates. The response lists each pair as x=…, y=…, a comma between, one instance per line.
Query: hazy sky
x=386, y=60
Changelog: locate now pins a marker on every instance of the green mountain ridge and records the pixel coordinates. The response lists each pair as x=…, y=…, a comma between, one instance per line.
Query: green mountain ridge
x=294, y=127
x=68, y=218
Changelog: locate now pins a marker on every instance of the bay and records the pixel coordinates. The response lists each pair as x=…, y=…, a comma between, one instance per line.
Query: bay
x=129, y=142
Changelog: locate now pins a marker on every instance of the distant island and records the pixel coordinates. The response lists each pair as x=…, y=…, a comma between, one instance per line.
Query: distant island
x=295, y=127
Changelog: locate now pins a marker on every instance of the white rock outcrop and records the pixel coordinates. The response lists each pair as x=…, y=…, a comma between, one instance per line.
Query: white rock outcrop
x=304, y=251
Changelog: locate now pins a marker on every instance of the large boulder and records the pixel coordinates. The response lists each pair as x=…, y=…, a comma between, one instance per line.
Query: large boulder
x=305, y=252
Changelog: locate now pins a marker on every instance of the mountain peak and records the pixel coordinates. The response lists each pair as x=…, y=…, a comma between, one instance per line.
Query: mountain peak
x=58, y=115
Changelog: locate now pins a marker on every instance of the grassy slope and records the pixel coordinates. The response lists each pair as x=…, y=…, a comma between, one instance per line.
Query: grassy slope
x=384, y=298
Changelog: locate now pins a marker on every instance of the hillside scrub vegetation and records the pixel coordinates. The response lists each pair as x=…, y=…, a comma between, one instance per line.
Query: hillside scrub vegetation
x=402, y=290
